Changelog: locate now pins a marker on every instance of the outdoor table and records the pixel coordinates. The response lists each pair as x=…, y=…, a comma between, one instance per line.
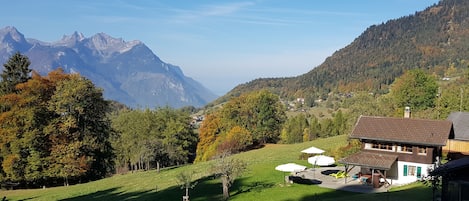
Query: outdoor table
x=364, y=178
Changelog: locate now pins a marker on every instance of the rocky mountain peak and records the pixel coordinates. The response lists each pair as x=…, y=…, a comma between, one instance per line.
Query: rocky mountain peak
x=70, y=40
x=12, y=40
x=106, y=43
x=11, y=33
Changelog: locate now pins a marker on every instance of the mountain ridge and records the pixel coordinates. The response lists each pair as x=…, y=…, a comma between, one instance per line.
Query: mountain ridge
x=128, y=71
x=432, y=39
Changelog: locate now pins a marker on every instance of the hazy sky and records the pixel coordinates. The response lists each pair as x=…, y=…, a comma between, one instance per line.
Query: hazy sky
x=218, y=43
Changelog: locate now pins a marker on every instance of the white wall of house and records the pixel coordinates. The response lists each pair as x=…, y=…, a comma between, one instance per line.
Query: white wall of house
x=409, y=172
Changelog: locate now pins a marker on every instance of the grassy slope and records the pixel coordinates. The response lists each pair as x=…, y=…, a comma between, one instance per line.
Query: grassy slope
x=261, y=182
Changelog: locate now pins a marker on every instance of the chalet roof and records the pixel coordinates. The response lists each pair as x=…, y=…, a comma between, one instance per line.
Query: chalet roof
x=403, y=130
x=460, y=124
x=371, y=160
x=452, y=166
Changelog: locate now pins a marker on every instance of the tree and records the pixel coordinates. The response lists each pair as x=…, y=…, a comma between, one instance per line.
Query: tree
x=22, y=125
x=228, y=169
x=163, y=137
x=259, y=116
x=268, y=116
x=240, y=137
x=415, y=89
x=260, y=112
x=55, y=127
x=185, y=181
x=340, y=124
x=208, y=133
x=68, y=161
x=179, y=139
x=235, y=140
x=294, y=129
x=327, y=128
x=453, y=97
x=15, y=71
x=314, y=128
x=82, y=124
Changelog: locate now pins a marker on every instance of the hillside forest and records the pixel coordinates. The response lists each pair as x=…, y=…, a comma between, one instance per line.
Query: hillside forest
x=57, y=129
x=433, y=39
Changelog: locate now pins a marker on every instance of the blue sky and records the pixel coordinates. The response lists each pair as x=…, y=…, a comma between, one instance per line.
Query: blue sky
x=218, y=43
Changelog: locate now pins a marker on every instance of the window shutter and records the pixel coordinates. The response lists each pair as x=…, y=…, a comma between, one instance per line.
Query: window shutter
x=405, y=170
x=419, y=172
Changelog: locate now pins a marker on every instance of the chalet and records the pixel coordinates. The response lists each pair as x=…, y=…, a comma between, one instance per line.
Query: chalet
x=459, y=146
x=398, y=150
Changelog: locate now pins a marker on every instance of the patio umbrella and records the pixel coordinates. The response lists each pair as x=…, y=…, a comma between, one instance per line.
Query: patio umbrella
x=290, y=167
x=313, y=150
x=321, y=160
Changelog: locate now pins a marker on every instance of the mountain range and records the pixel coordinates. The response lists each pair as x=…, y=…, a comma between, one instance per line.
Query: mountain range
x=434, y=39
x=128, y=71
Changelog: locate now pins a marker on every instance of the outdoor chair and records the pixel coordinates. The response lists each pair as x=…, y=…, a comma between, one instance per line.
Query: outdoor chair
x=339, y=174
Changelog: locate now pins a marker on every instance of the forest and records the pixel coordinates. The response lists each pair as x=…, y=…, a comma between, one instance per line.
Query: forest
x=54, y=128
x=58, y=130
x=432, y=40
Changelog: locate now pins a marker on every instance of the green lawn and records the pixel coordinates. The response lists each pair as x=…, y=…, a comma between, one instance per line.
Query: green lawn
x=260, y=182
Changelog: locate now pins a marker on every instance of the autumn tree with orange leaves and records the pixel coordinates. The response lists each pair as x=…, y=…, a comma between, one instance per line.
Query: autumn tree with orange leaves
x=54, y=128
x=248, y=120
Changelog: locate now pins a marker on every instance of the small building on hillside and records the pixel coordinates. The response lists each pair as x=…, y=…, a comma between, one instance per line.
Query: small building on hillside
x=459, y=146
x=398, y=150
x=454, y=180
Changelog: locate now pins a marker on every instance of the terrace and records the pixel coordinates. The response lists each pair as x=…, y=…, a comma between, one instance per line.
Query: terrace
x=351, y=183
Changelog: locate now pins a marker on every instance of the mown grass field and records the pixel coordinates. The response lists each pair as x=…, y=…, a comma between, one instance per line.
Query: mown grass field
x=260, y=182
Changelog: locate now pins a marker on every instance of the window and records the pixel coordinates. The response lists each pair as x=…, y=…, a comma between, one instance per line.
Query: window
x=409, y=170
x=404, y=148
x=382, y=146
x=422, y=151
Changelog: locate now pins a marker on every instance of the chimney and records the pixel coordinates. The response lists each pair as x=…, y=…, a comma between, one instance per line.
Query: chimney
x=407, y=112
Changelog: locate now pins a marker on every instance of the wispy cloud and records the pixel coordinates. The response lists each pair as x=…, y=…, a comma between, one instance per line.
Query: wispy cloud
x=250, y=12
x=287, y=16
x=215, y=10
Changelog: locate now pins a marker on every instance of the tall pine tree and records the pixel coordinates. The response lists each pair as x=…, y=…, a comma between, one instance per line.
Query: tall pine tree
x=15, y=71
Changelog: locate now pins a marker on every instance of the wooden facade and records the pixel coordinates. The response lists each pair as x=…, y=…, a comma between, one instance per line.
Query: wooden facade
x=456, y=149
x=456, y=146
x=414, y=155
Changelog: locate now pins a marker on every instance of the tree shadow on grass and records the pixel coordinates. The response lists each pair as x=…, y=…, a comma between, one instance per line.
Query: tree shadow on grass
x=241, y=186
x=207, y=188
x=204, y=190
x=210, y=188
x=114, y=194
x=31, y=198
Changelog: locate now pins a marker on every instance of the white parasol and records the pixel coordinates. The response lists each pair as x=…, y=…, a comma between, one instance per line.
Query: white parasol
x=290, y=167
x=321, y=160
x=313, y=150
